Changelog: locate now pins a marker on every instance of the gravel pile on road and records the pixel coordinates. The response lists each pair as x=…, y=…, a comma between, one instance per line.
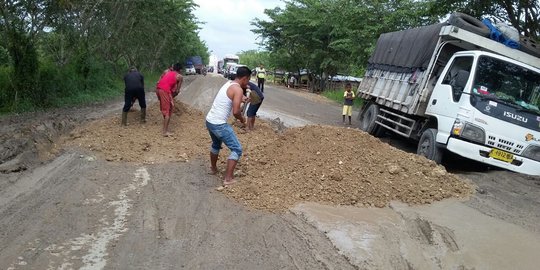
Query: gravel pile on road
x=323, y=164
x=338, y=166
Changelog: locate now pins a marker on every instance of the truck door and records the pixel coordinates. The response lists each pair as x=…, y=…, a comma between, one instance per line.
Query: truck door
x=447, y=95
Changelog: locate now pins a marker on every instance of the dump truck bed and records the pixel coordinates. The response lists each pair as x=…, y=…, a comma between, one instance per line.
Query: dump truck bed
x=402, y=69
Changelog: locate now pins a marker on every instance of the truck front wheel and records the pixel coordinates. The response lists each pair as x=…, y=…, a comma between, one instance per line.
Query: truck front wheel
x=427, y=146
x=367, y=121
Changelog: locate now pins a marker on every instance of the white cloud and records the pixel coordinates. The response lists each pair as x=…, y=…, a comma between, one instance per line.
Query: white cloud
x=227, y=27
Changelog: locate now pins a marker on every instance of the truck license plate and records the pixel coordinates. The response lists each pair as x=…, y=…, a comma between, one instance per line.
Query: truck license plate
x=501, y=155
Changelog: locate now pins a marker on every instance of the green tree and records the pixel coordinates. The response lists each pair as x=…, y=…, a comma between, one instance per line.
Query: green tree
x=67, y=48
x=253, y=58
x=524, y=15
x=333, y=36
x=20, y=24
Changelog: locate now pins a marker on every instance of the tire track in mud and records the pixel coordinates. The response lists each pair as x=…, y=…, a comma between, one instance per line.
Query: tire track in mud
x=99, y=218
x=95, y=258
x=95, y=244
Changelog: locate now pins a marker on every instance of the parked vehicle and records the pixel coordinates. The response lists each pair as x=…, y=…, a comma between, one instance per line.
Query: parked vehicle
x=231, y=71
x=452, y=89
x=229, y=60
x=197, y=63
x=220, y=67
x=190, y=70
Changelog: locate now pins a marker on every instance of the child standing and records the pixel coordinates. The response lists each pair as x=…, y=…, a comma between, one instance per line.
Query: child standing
x=348, y=102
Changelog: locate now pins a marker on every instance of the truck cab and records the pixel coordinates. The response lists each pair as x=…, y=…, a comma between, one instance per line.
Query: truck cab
x=487, y=108
x=454, y=90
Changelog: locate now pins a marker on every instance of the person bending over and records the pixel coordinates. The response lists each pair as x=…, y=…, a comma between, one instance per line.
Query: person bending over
x=167, y=87
x=227, y=101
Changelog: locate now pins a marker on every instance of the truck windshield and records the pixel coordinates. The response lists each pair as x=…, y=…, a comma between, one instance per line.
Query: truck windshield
x=508, y=83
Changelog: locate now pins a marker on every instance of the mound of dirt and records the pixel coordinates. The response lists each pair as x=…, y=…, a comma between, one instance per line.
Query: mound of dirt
x=143, y=142
x=28, y=139
x=279, y=169
x=338, y=166
x=200, y=92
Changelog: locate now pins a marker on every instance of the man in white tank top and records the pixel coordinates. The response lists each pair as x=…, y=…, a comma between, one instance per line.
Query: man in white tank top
x=227, y=101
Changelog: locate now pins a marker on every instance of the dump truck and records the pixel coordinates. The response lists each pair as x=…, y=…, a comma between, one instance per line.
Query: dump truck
x=452, y=89
x=229, y=60
x=196, y=62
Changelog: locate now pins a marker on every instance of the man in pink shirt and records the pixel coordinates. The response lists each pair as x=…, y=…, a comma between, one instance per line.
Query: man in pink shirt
x=168, y=86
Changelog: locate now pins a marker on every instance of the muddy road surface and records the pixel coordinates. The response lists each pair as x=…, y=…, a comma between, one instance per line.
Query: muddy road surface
x=79, y=192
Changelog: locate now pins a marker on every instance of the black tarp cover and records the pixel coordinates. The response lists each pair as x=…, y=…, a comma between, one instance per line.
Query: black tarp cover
x=407, y=50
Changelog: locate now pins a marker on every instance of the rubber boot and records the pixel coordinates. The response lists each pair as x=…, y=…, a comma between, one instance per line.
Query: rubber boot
x=143, y=115
x=124, y=118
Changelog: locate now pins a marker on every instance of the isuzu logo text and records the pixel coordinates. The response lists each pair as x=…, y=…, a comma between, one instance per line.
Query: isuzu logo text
x=515, y=116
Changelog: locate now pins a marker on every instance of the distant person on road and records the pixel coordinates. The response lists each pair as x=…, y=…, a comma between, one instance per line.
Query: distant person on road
x=168, y=87
x=134, y=89
x=348, y=102
x=228, y=100
x=261, y=75
x=291, y=82
x=256, y=97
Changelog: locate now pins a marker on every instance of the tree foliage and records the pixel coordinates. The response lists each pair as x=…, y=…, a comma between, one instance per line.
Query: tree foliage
x=338, y=36
x=254, y=58
x=333, y=36
x=89, y=41
x=524, y=15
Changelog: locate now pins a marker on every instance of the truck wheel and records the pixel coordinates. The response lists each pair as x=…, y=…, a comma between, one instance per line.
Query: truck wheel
x=469, y=23
x=427, y=146
x=367, y=122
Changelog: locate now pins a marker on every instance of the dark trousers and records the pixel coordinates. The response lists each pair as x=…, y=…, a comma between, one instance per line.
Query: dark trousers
x=129, y=96
x=260, y=84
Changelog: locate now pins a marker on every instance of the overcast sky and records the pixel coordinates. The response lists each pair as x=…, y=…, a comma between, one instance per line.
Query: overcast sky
x=226, y=23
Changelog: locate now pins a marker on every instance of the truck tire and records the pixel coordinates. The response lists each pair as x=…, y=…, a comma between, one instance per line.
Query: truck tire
x=529, y=46
x=367, y=121
x=427, y=146
x=469, y=23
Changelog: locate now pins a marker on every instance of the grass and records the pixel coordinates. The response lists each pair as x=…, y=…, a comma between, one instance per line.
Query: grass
x=337, y=96
x=116, y=90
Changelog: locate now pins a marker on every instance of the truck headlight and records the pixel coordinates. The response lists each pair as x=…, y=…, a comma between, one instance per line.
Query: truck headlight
x=532, y=152
x=469, y=131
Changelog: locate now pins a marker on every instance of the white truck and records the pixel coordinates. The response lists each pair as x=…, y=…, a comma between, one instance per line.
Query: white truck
x=454, y=90
x=230, y=60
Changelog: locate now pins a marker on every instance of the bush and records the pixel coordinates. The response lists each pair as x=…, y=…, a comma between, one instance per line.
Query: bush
x=4, y=56
x=6, y=88
x=76, y=84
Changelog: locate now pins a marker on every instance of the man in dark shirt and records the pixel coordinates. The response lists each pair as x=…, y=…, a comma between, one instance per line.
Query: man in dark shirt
x=256, y=97
x=134, y=82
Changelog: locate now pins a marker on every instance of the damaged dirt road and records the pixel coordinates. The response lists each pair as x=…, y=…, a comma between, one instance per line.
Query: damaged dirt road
x=314, y=197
